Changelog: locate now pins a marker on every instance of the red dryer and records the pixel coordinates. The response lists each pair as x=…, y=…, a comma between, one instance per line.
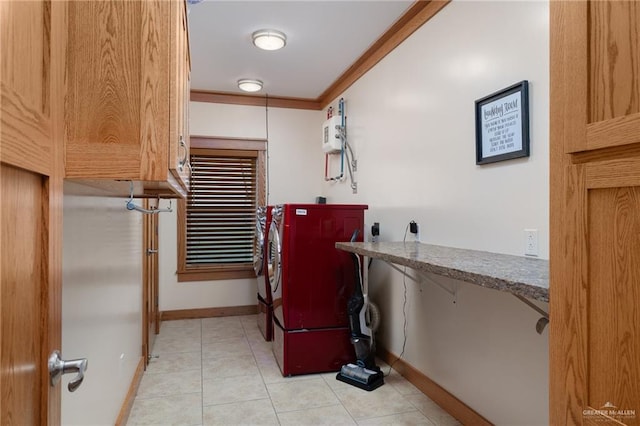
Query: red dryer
x=311, y=282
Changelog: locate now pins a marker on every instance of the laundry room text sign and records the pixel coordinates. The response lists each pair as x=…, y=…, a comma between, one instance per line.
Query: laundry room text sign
x=502, y=124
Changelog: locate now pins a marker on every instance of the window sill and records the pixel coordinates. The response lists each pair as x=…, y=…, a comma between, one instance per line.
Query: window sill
x=208, y=274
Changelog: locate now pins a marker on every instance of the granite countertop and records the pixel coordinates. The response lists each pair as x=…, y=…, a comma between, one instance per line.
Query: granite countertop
x=522, y=276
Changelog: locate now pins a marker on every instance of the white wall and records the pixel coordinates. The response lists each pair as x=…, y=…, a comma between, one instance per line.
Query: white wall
x=101, y=304
x=411, y=122
x=293, y=169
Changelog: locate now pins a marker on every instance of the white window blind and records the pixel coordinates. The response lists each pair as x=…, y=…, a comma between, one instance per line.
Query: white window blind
x=221, y=208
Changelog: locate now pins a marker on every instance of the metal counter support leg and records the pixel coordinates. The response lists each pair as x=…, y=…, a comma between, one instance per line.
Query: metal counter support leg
x=423, y=277
x=540, y=325
x=543, y=321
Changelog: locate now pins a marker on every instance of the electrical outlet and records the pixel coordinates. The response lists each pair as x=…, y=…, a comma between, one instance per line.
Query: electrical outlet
x=375, y=232
x=414, y=228
x=531, y=242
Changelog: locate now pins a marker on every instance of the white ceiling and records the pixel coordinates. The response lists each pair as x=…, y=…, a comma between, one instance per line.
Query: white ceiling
x=323, y=39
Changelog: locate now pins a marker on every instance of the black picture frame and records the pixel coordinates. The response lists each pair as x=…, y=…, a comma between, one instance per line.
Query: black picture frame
x=502, y=124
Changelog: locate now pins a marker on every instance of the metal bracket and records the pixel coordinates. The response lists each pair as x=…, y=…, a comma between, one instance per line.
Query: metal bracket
x=133, y=206
x=543, y=321
x=540, y=325
x=424, y=277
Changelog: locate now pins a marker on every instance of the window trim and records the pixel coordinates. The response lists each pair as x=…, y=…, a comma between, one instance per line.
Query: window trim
x=252, y=148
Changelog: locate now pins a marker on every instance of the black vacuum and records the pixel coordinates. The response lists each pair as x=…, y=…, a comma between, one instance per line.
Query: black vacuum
x=364, y=374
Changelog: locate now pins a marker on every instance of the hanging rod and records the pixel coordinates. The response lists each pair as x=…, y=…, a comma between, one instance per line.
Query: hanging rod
x=133, y=206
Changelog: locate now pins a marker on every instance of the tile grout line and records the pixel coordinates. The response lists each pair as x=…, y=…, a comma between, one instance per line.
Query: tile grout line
x=415, y=408
x=253, y=354
x=299, y=410
x=147, y=373
x=340, y=401
x=260, y=372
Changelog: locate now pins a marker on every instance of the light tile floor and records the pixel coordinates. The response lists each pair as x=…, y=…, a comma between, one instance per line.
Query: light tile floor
x=220, y=371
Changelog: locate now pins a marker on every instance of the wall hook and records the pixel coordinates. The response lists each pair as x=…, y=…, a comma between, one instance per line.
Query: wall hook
x=133, y=206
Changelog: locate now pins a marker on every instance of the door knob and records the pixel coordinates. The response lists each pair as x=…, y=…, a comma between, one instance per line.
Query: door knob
x=151, y=251
x=58, y=367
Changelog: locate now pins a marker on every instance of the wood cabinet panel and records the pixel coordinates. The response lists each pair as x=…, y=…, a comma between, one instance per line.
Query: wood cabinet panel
x=613, y=173
x=103, y=99
x=26, y=89
x=179, y=94
x=121, y=107
x=568, y=70
x=22, y=272
x=599, y=53
x=617, y=131
x=154, y=111
x=567, y=295
x=614, y=294
x=614, y=43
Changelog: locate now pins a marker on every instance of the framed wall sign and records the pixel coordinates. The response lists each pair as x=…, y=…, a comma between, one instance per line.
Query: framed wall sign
x=502, y=124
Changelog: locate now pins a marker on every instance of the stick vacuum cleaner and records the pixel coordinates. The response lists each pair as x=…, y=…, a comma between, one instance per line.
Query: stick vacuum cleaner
x=364, y=374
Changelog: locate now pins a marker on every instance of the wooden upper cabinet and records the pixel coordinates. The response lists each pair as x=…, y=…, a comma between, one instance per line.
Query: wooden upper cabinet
x=128, y=73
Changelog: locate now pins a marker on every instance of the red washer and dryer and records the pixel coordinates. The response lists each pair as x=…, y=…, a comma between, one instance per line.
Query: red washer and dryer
x=311, y=282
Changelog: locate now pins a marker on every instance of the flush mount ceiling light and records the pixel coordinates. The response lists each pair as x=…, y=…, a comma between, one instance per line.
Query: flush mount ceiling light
x=269, y=39
x=249, y=85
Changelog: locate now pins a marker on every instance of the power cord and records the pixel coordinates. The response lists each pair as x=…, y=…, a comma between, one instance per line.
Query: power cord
x=404, y=328
x=404, y=310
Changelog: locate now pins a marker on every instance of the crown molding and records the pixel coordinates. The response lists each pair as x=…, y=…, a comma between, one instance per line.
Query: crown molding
x=416, y=16
x=254, y=100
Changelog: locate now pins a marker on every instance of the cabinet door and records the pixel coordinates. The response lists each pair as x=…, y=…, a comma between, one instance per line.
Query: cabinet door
x=118, y=105
x=179, y=97
x=595, y=225
x=117, y=100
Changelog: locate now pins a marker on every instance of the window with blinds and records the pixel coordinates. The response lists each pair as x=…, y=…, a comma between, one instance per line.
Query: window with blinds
x=218, y=216
x=221, y=209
